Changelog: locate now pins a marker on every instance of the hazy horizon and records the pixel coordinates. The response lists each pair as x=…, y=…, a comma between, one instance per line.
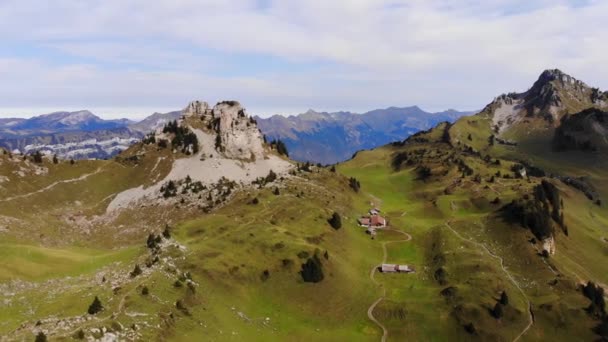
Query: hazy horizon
x=141, y=113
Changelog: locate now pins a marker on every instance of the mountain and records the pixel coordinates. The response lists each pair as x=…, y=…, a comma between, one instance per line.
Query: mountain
x=328, y=138
x=77, y=135
x=203, y=231
x=59, y=122
x=154, y=122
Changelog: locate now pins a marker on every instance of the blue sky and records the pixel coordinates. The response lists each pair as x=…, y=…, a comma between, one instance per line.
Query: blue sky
x=128, y=58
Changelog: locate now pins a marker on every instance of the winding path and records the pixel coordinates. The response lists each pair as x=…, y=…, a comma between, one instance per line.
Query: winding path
x=502, y=265
x=48, y=187
x=370, y=310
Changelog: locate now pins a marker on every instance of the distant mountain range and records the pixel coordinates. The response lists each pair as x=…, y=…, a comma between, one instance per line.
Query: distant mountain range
x=312, y=136
x=77, y=135
x=333, y=137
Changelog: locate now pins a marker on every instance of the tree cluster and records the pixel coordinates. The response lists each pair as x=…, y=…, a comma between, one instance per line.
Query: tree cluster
x=183, y=138
x=335, y=221
x=354, y=184
x=312, y=269
x=280, y=146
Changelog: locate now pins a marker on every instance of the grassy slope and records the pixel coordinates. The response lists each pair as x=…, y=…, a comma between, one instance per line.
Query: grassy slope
x=474, y=273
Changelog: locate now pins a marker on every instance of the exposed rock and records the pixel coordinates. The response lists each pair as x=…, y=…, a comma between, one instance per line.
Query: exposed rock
x=548, y=245
x=196, y=108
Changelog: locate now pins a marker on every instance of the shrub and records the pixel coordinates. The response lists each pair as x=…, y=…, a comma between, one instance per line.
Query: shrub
x=265, y=275
x=354, y=184
x=55, y=159
x=95, y=307
x=145, y=291
x=423, y=172
x=80, y=334
x=271, y=177
x=335, y=221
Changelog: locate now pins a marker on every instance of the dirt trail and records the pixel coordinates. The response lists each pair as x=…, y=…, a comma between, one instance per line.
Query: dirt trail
x=502, y=266
x=370, y=310
x=49, y=187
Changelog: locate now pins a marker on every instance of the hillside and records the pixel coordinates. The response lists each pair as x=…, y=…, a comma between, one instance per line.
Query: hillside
x=328, y=138
x=203, y=231
x=224, y=261
x=493, y=207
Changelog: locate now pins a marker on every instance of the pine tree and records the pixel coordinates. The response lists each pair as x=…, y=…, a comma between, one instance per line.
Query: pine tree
x=498, y=312
x=136, y=271
x=37, y=157
x=41, y=337
x=55, y=160
x=95, y=307
x=504, y=299
x=167, y=232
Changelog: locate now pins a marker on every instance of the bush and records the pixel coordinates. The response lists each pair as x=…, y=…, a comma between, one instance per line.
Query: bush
x=423, y=172
x=335, y=221
x=145, y=291
x=271, y=177
x=55, y=159
x=354, y=184
x=95, y=307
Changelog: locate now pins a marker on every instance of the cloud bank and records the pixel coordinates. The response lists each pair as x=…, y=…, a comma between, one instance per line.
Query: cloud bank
x=287, y=56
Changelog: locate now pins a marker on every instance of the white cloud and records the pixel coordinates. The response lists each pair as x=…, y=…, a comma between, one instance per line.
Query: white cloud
x=351, y=54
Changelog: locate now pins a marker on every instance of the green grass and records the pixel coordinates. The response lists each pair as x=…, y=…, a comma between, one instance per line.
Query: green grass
x=35, y=263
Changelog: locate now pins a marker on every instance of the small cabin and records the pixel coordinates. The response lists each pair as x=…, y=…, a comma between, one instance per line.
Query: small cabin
x=392, y=268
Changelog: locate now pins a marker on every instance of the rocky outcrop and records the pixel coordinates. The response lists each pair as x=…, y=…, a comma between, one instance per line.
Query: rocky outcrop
x=237, y=134
x=548, y=245
x=196, y=108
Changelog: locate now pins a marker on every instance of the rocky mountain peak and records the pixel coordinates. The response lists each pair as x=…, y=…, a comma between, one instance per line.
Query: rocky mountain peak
x=237, y=134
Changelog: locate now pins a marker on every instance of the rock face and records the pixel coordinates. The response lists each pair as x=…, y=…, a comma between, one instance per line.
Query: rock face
x=196, y=108
x=237, y=135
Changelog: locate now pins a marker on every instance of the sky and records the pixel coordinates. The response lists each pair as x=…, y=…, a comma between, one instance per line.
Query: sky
x=129, y=58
